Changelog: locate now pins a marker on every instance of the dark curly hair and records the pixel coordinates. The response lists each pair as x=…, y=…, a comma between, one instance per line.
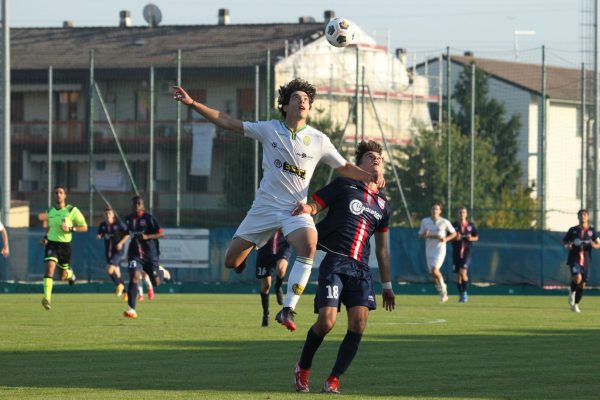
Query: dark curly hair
x=285, y=92
x=365, y=147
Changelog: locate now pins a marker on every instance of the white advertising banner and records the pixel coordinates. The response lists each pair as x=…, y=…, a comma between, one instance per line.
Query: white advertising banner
x=185, y=248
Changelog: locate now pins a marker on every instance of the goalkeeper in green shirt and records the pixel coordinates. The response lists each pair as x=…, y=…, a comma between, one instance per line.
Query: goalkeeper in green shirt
x=63, y=220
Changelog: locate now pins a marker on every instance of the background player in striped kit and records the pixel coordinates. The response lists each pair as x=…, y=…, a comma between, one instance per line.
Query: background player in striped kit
x=112, y=231
x=273, y=256
x=580, y=240
x=466, y=234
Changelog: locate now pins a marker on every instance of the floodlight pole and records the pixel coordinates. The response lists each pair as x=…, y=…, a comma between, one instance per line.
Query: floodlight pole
x=91, y=139
x=178, y=179
x=5, y=106
x=50, y=123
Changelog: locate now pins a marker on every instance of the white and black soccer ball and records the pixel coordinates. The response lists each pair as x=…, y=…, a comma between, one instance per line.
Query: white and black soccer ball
x=339, y=32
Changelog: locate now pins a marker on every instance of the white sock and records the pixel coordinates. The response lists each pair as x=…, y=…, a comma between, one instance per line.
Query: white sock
x=141, y=288
x=297, y=280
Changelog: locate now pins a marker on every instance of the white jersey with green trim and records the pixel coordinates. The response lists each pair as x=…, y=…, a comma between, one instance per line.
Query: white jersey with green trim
x=289, y=159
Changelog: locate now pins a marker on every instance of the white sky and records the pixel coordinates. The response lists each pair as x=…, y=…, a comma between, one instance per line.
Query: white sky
x=423, y=27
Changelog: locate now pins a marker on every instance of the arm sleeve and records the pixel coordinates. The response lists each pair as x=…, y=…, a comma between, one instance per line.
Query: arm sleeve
x=474, y=230
x=422, y=227
x=568, y=236
x=328, y=194
x=330, y=155
x=384, y=224
x=156, y=225
x=78, y=217
x=100, y=229
x=449, y=227
x=255, y=130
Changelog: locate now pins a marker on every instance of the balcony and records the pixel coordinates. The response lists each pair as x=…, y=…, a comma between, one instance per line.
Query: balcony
x=73, y=132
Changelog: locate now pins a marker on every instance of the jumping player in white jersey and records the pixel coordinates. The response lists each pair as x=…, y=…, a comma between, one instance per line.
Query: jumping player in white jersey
x=291, y=152
x=437, y=231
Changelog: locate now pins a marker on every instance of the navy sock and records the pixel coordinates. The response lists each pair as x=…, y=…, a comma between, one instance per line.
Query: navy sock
x=313, y=341
x=264, y=299
x=578, y=294
x=346, y=353
x=132, y=292
x=278, y=283
x=459, y=286
x=115, y=278
x=465, y=285
x=574, y=286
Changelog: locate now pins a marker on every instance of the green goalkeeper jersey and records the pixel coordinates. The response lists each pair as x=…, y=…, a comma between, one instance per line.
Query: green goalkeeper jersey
x=70, y=215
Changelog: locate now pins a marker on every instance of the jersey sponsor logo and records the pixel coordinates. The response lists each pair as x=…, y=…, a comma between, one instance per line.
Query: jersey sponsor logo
x=297, y=289
x=278, y=163
x=304, y=155
x=293, y=169
x=357, y=208
x=306, y=140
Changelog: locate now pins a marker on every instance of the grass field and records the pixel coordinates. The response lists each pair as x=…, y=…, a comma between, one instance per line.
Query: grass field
x=212, y=346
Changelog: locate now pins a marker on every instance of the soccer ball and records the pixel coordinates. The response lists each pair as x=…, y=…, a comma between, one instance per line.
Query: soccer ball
x=339, y=32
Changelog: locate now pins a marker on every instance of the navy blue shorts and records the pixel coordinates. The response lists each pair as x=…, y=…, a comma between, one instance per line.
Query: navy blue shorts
x=151, y=267
x=344, y=280
x=577, y=269
x=114, y=257
x=266, y=262
x=460, y=263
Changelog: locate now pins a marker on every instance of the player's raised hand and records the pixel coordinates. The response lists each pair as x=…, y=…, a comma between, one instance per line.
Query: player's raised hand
x=389, y=299
x=301, y=208
x=181, y=95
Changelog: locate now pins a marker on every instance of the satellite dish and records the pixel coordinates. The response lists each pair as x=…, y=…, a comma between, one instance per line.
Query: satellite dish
x=152, y=15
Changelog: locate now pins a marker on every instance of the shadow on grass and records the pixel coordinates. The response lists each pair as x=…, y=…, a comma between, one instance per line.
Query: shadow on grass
x=541, y=365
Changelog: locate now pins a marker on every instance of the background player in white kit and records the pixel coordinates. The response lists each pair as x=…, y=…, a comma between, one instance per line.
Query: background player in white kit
x=291, y=151
x=437, y=231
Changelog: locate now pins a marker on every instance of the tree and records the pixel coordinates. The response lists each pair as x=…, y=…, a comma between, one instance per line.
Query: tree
x=491, y=123
x=500, y=199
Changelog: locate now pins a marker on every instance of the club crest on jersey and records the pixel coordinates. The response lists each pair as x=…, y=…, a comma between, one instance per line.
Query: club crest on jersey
x=306, y=140
x=381, y=202
x=356, y=207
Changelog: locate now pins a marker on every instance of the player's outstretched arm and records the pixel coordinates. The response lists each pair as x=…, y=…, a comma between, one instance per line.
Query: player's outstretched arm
x=383, y=259
x=352, y=171
x=217, y=117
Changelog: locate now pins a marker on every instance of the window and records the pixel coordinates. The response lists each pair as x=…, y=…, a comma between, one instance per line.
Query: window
x=67, y=109
x=65, y=173
x=17, y=107
x=245, y=104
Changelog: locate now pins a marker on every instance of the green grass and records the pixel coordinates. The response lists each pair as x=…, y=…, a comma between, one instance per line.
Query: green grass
x=211, y=346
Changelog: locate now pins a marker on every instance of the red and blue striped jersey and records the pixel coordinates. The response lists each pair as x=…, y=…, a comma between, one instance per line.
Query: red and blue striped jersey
x=136, y=226
x=355, y=213
x=580, y=251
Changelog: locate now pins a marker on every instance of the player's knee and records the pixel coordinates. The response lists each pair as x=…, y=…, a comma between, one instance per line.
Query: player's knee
x=323, y=326
x=231, y=261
